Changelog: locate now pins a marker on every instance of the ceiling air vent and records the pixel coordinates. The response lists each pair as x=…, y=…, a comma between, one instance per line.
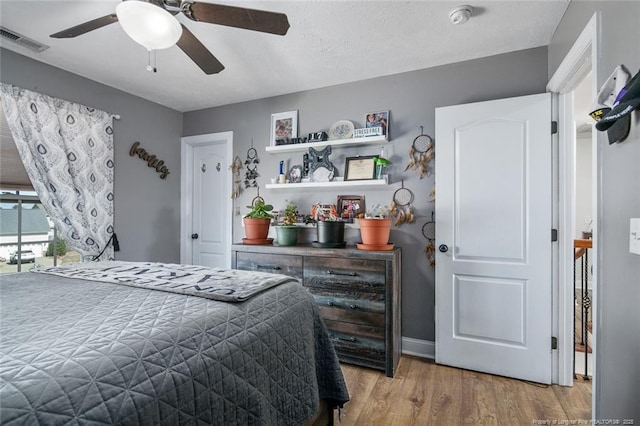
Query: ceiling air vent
x=6, y=34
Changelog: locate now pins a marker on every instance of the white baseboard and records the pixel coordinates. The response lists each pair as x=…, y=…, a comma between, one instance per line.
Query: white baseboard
x=420, y=348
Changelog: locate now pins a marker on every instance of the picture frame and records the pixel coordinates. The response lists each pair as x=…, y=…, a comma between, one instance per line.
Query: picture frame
x=350, y=207
x=360, y=168
x=378, y=119
x=284, y=125
x=295, y=174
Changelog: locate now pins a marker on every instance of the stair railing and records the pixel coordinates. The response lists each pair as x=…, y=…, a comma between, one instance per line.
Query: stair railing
x=581, y=249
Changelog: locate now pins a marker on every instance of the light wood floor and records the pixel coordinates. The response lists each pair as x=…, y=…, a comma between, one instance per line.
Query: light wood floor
x=423, y=393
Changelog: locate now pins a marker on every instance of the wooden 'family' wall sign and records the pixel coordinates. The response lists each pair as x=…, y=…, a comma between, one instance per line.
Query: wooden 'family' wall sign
x=152, y=160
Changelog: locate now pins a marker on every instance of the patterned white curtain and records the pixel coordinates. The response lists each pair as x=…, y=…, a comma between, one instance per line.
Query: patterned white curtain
x=67, y=150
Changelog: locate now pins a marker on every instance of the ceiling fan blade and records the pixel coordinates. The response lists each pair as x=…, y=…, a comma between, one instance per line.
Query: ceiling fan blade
x=198, y=53
x=238, y=17
x=86, y=27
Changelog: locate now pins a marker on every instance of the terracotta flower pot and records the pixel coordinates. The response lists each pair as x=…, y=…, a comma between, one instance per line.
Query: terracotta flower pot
x=256, y=229
x=375, y=231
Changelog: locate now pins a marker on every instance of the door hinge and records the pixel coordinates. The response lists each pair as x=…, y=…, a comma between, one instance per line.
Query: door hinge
x=554, y=127
x=554, y=342
x=554, y=235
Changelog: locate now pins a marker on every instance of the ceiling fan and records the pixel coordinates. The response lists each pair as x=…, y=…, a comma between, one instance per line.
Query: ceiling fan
x=231, y=16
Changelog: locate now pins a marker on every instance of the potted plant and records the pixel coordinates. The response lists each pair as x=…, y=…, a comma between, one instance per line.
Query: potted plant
x=287, y=230
x=375, y=229
x=257, y=221
x=329, y=226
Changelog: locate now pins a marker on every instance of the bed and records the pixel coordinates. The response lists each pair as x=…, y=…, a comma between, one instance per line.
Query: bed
x=150, y=343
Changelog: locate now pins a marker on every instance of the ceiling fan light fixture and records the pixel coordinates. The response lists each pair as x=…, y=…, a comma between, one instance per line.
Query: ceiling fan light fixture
x=148, y=24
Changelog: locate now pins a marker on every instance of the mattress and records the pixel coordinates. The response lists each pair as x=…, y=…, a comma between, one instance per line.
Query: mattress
x=81, y=351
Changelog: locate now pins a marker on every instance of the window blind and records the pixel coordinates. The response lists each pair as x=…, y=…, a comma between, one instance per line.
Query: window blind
x=12, y=172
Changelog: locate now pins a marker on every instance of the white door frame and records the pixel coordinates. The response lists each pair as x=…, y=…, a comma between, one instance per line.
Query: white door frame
x=186, y=191
x=582, y=58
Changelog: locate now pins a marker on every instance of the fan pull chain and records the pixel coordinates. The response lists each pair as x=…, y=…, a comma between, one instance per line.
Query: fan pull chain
x=149, y=67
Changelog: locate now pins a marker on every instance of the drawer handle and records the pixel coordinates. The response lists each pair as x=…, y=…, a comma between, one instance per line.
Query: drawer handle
x=352, y=306
x=329, y=303
x=275, y=268
x=350, y=339
x=348, y=274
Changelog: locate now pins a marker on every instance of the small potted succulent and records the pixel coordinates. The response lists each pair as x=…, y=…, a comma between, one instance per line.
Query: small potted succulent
x=286, y=229
x=257, y=221
x=329, y=226
x=375, y=227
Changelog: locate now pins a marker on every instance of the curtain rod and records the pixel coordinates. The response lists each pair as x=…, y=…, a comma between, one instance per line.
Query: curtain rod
x=115, y=116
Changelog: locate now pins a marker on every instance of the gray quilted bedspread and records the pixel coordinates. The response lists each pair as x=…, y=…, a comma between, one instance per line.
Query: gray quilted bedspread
x=85, y=352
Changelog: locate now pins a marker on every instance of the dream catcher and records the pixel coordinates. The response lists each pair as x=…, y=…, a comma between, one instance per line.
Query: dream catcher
x=421, y=154
x=251, y=162
x=400, y=207
x=429, y=232
x=235, y=170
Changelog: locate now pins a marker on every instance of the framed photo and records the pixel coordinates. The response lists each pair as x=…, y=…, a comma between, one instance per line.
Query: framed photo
x=284, y=125
x=360, y=168
x=350, y=207
x=378, y=119
x=295, y=174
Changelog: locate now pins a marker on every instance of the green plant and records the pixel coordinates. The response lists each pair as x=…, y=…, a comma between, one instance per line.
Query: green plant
x=61, y=248
x=260, y=210
x=377, y=211
x=290, y=215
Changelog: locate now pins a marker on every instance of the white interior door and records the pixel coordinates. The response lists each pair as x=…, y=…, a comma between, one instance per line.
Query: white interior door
x=493, y=231
x=205, y=223
x=209, y=183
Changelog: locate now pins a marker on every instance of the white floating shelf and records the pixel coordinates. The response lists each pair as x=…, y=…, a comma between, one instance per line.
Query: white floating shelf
x=333, y=184
x=342, y=143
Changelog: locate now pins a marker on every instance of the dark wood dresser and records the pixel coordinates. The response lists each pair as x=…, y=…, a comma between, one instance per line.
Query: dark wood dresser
x=358, y=293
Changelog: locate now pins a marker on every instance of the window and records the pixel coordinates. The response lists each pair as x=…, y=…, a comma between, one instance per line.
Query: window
x=27, y=235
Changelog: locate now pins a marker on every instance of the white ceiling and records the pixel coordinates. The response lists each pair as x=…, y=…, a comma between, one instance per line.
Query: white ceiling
x=329, y=43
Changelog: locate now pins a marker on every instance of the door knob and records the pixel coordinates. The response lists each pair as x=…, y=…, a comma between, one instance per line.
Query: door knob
x=443, y=248
x=194, y=236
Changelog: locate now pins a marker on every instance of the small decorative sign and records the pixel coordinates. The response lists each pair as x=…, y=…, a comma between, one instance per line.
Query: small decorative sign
x=318, y=137
x=367, y=131
x=152, y=160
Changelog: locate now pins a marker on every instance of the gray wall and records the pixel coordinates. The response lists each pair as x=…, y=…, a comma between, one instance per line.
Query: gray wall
x=584, y=185
x=147, y=209
x=618, y=317
x=411, y=99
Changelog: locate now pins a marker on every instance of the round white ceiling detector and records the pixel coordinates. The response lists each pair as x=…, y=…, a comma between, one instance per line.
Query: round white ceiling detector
x=148, y=24
x=460, y=14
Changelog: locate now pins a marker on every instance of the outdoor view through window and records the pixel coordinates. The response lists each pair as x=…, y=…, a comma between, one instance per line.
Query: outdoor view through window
x=27, y=235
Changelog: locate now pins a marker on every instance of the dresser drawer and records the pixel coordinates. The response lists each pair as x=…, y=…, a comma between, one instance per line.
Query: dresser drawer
x=354, y=349
x=359, y=311
x=363, y=330
x=266, y=262
x=344, y=274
